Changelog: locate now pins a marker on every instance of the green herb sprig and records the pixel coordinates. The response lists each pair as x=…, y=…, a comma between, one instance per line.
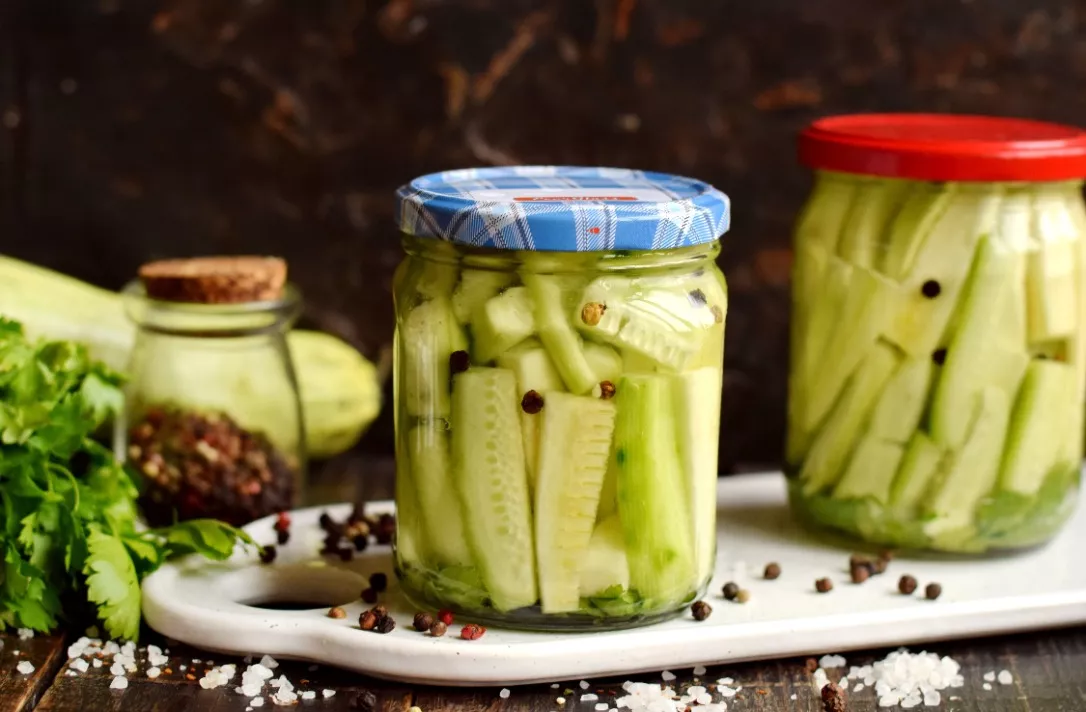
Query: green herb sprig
x=70, y=537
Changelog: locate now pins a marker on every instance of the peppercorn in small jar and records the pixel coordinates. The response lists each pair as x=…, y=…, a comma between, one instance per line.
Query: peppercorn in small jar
x=214, y=421
x=558, y=360
x=938, y=367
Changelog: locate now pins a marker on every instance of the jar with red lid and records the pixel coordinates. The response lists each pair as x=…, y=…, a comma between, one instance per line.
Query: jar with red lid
x=938, y=358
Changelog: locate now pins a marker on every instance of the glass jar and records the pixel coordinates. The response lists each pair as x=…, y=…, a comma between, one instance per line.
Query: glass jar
x=214, y=420
x=938, y=358
x=558, y=369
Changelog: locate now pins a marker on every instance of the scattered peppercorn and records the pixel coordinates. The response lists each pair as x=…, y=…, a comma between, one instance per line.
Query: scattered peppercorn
x=367, y=620
x=423, y=621
x=472, y=632
x=385, y=624
x=369, y=596
x=360, y=542
x=743, y=596
x=267, y=554
x=886, y=554
x=346, y=554
x=358, y=513
x=282, y=536
x=531, y=403
x=718, y=314
x=697, y=298
x=932, y=591
x=282, y=521
x=701, y=610
x=907, y=585
x=730, y=590
x=365, y=701
x=823, y=585
x=772, y=571
x=939, y=356
x=337, y=612
x=445, y=616
x=459, y=361
x=931, y=289
x=592, y=312
x=325, y=521
x=878, y=566
x=380, y=611
x=860, y=574
x=438, y=629
x=833, y=698
x=205, y=465
x=379, y=582
x=607, y=390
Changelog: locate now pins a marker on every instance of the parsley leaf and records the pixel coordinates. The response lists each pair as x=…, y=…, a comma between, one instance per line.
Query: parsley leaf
x=112, y=584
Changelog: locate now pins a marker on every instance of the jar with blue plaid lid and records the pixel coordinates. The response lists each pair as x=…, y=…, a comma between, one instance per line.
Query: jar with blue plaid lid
x=558, y=369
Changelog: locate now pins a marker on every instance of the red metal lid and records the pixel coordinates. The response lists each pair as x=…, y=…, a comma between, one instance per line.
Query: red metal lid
x=945, y=147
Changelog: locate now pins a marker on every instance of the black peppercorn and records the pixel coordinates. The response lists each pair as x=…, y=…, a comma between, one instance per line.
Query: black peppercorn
x=325, y=521
x=365, y=701
x=823, y=585
x=932, y=591
x=385, y=624
x=384, y=538
x=772, y=571
x=346, y=554
x=701, y=610
x=358, y=513
x=531, y=403
x=939, y=356
x=607, y=390
x=423, y=621
x=907, y=585
x=267, y=554
x=378, y=582
x=282, y=536
x=697, y=298
x=878, y=566
x=380, y=610
x=730, y=590
x=930, y=289
x=459, y=361
x=369, y=596
x=361, y=541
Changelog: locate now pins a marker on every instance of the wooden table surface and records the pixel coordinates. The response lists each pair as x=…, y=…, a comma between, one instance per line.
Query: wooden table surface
x=1048, y=668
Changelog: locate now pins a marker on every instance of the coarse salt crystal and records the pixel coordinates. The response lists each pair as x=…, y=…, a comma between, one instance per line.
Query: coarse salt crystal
x=831, y=661
x=1005, y=677
x=25, y=667
x=704, y=698
x=725, y=681
x=843, y=683
x=257, y=702
x=726, y=691
x=284, y=698
x=153, y=672
x=667, y=676
x=555, y=686
x=116, y=669
x=794, y=696
x=504, y=694
x=96, y=663
x=25, y=634
x=309, y=695
x=119, y=683
x=80, y=665
x=269, y=662
x=328, y=693
x=989, y=676
x=560, y=700
x=601, y=707
x=583, y=684
x=987, y=686
x=589, y=697
x=700, y=670
x=859, y=687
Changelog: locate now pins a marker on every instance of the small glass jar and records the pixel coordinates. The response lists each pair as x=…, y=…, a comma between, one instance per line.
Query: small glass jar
x=558, y=365
x=214, y=420
x=938, y=363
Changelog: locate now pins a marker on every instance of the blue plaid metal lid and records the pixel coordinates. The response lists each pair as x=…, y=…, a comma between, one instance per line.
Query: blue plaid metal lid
x=562, y=209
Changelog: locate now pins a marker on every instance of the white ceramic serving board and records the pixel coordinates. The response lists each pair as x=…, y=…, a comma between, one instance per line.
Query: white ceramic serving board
x=204, y=604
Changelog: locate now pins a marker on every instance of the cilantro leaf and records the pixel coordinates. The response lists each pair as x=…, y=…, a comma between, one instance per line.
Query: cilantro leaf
x=209, y=537
x=112, y=584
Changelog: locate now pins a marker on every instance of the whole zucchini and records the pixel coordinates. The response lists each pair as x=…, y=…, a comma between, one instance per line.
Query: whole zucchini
x=340, y=389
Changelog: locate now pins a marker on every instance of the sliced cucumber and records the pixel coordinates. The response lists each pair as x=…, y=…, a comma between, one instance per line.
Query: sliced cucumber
x=429, y=335
x=535, y=372
x=604, y=567
x=1035, y=440
x=866, y=229
x=697, y=430
x=822, y=466
x=428, y=450
x=919, y=467
x=606, y=363
x=559, y=338
x=870, y=472
x=476, y=286
x=651, y=493
x=488, y=457
x=437, y=277
x=902, y=404
x=1051, y=281
x=501, y=323
x=922, y=209
x=575, y=440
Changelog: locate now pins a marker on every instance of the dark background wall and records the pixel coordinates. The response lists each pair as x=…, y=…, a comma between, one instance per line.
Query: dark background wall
x=135, y=130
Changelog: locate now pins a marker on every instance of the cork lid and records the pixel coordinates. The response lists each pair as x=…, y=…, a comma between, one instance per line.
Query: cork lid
x=215, y=280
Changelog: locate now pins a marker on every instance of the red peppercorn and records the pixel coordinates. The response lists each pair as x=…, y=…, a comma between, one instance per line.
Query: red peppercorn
x=282, y=522
x=472, y=632
x=445, y=616
x=369, y=596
